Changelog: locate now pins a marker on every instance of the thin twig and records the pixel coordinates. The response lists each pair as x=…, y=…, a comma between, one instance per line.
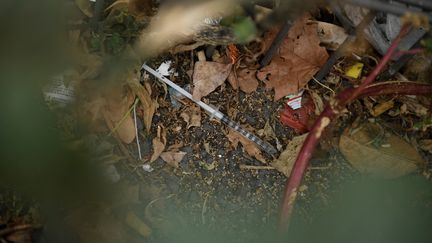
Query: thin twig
x=123, y=118
x=316, y=80
x=253, y=167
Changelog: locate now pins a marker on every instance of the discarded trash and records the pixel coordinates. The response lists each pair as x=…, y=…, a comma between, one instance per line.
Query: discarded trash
x=59, y=92
x=294, y=101
x=215, y=113
x=164, y=68
x=147, y=168
x=299, y=118
x=355, y=70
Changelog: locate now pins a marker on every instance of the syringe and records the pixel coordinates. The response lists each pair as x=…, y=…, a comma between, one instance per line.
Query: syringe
x=268, y=148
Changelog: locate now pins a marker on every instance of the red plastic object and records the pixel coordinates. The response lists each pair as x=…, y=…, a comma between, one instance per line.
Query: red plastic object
x=298, y=119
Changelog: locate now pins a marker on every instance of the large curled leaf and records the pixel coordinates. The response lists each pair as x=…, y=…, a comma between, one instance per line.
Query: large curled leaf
x=372, y=151
x=300, y=57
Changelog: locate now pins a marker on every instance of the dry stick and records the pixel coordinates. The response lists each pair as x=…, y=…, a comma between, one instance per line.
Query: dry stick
x=332, y=110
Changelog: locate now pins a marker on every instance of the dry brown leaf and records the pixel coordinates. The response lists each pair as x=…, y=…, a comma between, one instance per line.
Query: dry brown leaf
x=133, y=221
x=331, y=36
x=250, y=147
x=178, y=23
x=105, y=226
x=208, y=76
x=140, y=7
x=85, y=7
x=381, y=108
x=173, y=158
x=267, y=132
x=300, y=57
x=192, y=116
x=245, y=79
x=149, y=105
x=286, y=160
x=413, y=106
x=19, y=236
x=426, y=145
x=159, y=143
x=318, y=102
x=370, y=151
x=114, y=114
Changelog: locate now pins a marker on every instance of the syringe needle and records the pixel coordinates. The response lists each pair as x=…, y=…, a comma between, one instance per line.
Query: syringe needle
x=214, y=113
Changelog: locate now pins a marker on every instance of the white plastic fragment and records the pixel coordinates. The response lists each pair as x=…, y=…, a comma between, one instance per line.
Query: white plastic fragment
x=295, y=100
x=164, y=68
x=147, y=168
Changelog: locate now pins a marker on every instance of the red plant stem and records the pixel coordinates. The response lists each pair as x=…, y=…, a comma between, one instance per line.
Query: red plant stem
x=380, y=66
x=332, y=110
x=397, y=88
x=409, y=52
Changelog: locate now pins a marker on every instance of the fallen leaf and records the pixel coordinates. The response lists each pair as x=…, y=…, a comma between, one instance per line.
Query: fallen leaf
x=105, y=227
x=134, y=222
x=118, y=119
x=370, y=151
x=91, y=64
x=175, y=147
x=318, y=101
x=179, y=23
x=192, y=116
x=140, y=7
x=300, y=57
x=245, y=79
x=19, y=236
x=208, y=76
x=381, y=108
x=412, y=106
x=173, y=158
x=267, y=132
x=149, y=105
x=85, y=7
x=207, y=166
x=286, y=160
x=159, y=143
x=331, y=36
x=426, y=145
x=250, y=147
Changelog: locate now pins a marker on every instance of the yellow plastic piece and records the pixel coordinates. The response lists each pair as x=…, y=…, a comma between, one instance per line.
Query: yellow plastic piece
x=355, y=70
